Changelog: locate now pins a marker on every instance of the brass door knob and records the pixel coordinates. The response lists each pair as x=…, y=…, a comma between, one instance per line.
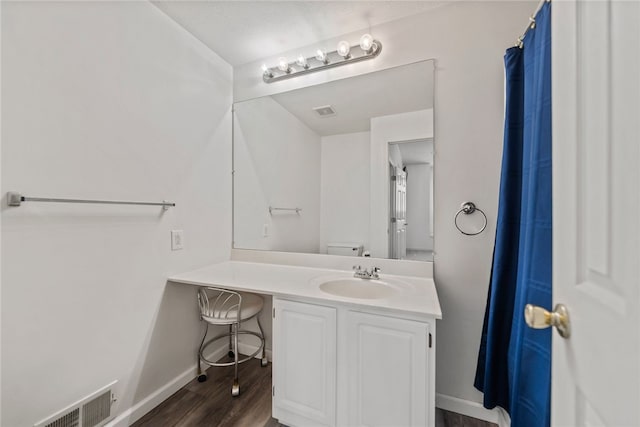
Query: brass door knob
x=539, y=318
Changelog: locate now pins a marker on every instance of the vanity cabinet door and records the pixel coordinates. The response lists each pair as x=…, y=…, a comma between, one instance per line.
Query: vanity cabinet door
x=388, y=361
x=304, y=364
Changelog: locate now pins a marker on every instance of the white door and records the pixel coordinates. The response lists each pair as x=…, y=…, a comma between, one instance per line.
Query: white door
x=596, y=212
x=399, y=214
x=388, y=376
x=304, y=364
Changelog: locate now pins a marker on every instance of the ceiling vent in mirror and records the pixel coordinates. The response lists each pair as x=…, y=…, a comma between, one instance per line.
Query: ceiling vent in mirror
x=325, y=111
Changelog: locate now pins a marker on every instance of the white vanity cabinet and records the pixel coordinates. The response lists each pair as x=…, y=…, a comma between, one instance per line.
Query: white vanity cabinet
x=336, y=365
x=304, y=376
x=339, y=360
x=387, y=371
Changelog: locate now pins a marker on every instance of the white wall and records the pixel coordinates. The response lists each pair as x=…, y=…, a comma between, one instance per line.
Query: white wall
x=468, y=41
x=276, y=163
x=385, y=129
x=344, y=194
x=105, y=100
x=418, y=197
x=1, y=132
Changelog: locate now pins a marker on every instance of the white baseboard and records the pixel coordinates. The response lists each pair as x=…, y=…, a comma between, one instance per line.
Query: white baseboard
x=144, y=406
x=472, y=409
x=250, y=349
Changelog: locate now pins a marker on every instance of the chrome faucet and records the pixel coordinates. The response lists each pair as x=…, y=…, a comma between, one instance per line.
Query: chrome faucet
x=366, y=274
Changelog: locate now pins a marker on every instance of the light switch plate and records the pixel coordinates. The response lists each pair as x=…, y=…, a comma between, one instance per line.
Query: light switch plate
x=177, y=240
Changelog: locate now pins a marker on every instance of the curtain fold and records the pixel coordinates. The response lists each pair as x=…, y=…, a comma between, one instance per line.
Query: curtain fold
x=514, y=361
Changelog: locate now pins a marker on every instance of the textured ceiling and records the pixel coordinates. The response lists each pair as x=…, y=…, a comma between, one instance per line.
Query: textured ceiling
x=245, y=31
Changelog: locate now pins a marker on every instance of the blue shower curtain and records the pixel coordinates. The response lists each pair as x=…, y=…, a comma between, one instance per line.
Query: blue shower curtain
x=514, y=361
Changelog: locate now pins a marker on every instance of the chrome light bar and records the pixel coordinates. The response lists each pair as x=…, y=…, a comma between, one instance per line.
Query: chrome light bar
x=322, y=61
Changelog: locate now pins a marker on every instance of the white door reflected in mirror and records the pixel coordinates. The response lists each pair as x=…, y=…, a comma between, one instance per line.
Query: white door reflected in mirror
x=411, y=200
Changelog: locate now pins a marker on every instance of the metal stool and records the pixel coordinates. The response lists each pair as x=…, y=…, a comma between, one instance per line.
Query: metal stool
x=221, y=307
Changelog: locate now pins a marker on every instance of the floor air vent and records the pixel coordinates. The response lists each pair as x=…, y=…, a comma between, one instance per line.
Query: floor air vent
x=94, y=410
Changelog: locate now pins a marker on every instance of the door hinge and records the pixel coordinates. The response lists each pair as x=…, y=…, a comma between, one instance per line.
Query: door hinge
x=430, y=340
x=273, y=391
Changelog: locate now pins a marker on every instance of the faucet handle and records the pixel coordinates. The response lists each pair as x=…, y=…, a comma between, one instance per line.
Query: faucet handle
x=374, y=272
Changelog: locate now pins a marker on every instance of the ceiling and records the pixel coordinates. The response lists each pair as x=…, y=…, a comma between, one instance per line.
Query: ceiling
x=416, y=153
x=357, y=99
x=245, y=31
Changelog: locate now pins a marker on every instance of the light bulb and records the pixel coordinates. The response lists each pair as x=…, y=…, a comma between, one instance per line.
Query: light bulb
x=321, y=55
x=366, y=42
x=283, y=64
x=343, y=49
x=265, y=70
x=302, y=62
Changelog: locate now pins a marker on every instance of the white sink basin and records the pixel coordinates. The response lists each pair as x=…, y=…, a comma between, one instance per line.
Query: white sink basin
x=359, y=288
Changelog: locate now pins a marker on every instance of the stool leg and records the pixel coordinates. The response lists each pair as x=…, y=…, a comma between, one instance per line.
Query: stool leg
x=264, y=362
x=235, y=389
x=230, y=352
x=202, y=375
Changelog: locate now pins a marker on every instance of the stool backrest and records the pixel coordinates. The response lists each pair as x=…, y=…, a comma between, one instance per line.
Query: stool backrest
x=220, y=304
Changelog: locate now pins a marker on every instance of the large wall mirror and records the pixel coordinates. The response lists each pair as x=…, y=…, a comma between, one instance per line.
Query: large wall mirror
x=342, y=168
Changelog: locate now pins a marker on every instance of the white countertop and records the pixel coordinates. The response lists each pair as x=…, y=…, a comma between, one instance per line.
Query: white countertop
x=417, y=295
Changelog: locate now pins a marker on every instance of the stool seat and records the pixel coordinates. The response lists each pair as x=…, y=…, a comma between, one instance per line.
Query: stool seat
x=221, y=314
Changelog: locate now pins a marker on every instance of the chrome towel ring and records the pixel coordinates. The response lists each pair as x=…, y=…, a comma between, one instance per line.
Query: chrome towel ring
x=468, y=208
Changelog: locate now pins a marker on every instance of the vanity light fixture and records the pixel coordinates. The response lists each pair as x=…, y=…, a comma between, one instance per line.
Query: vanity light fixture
x=321, y=55
x=301, y=61
x=366, y=42
x=265, y=71
x=343, y=49
x=283, y=65
x=368, y=48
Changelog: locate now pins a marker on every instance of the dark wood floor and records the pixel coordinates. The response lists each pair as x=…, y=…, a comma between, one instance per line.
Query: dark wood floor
x=210, y=403
x=452, y=419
